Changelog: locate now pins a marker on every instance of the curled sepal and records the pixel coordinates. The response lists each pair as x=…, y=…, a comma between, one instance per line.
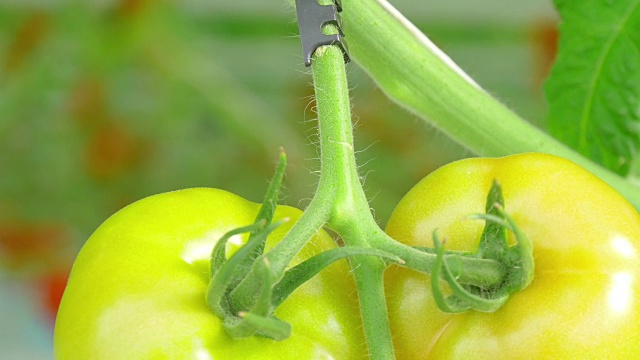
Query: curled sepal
x=260, y=319
x=462, y=298
x=523, y=256
x=518, y=259
x=265, y=217
x=270, y=201
x=269, y=326
x=517, y=262
x=219, y=254
x=449, y=304
x=240, y=287
x=233, y=271
x=493, y=241
x=307, y=269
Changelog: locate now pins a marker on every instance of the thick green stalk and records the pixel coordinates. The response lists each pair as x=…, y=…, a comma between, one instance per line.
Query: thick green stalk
x=413, y=72
x=340, y=184
x=340, y=202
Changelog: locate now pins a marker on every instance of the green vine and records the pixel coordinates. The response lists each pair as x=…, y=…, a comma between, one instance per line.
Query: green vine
x=245, y=291
x=413, y=72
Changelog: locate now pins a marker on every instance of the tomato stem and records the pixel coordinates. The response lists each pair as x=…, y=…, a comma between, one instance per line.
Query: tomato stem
x=341, y=204
x=340, y=185
x=416, y=74
x=313, y=219
x=483, y=273
x=340, y=201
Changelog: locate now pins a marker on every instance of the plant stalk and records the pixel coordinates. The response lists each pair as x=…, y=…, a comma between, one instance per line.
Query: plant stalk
x=417, y=75
x=340, y=183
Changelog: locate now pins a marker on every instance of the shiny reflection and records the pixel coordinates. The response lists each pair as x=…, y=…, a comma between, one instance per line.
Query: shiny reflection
x=200, y=352
x=624, y=247
x=200, y=249
x=621, y=292
x=234, y=244
x=197, y=250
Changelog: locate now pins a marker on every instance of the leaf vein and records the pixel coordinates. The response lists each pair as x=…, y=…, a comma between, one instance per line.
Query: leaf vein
x=585, y=116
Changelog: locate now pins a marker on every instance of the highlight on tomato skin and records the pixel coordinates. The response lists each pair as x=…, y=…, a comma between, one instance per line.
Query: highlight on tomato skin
x=584, y=301
x=137, y=288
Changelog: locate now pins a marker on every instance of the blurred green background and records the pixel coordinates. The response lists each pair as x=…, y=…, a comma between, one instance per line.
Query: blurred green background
x=105, y=102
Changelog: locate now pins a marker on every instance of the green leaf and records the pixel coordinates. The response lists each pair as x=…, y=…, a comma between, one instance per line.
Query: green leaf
x=592, y=91
x=634, y=173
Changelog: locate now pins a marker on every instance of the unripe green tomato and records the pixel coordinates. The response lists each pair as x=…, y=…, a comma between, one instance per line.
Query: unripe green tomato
x=137, y=288
x=584, y=301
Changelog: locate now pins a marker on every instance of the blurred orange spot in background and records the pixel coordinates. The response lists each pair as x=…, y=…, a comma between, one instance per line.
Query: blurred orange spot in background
x=29, y=35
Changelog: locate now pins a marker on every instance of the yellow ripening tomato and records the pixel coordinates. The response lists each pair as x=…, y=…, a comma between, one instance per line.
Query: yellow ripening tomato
x=137, y=288
x=584, y=301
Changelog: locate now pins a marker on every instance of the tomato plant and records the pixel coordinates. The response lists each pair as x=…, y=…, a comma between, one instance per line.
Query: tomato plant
x=584, y=299
x=138, y=286
x=544, y=265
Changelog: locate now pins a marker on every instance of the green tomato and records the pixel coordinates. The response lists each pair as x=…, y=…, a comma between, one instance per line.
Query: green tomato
x=584, y=301
x=137, y=288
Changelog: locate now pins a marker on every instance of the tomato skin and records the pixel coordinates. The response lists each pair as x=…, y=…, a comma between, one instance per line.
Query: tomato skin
x=584, y=301
x=137, y=288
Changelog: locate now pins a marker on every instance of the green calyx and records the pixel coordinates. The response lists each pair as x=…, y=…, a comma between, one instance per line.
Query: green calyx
x=244, y=290
x=226, y=275
x=517, y=261
x=229, y=274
